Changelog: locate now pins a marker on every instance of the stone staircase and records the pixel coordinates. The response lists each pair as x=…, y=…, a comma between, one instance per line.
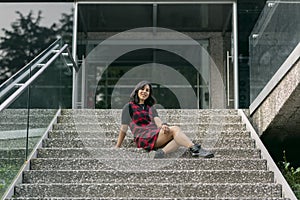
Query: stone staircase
x=78, y=161
x=13, y=132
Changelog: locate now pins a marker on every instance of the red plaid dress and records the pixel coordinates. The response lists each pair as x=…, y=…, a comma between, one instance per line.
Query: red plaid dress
x=142, y=126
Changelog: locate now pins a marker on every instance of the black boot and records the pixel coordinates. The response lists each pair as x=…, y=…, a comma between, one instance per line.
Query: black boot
x=197, y=151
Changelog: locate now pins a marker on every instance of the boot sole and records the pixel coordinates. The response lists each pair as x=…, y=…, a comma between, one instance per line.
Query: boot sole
x=198, y=155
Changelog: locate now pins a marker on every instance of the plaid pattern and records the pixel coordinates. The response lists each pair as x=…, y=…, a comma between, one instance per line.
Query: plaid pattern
x=142, y=126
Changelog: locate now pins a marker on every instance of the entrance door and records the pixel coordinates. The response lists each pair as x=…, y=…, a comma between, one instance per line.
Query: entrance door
x=180, y=48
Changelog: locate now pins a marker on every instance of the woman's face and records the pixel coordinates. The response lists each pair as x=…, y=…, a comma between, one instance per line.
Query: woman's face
x=143, y=93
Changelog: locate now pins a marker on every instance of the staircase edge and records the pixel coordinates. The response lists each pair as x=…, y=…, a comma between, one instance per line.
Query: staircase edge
x=278, y=177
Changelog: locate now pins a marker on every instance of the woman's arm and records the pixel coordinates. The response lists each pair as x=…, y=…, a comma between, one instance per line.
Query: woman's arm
x=157, y=120
x=160, y=124
x=122, y=135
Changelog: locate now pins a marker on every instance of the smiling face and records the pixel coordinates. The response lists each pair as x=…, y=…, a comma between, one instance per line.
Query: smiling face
x=143, y=94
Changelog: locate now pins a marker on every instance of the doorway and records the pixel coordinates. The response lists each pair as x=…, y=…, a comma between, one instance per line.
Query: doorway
x=205, y=74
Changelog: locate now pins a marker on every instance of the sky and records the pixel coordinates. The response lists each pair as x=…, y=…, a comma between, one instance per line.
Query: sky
x=51, y=12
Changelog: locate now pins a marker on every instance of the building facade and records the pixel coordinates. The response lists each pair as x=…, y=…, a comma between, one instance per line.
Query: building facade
x=194, y=52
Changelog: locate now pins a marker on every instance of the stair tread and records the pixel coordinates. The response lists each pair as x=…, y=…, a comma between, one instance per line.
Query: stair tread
x=146, y=176
x=128, y=142
x=155, y=184
x=152, y=190
x=176, y=164
x=131, y=152
x=137, y=171
x=143, y=198
x=114, y=134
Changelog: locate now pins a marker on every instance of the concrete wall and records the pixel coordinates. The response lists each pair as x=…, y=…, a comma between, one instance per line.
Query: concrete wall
x=279, y=112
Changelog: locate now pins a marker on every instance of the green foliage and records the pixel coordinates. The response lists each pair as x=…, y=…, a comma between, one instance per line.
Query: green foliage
x=7, y=174
x=65, y=30
x=23, y=43
x=27, y=39
x=291, y=174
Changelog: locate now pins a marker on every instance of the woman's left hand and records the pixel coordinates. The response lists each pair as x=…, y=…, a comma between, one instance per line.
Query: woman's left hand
x=165, y=128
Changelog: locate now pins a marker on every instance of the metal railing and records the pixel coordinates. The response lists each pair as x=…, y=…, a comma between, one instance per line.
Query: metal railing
x=16, y=80
x=272, y=40
x=29, y=103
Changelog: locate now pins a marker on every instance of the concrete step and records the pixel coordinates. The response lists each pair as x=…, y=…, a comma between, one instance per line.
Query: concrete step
x=250, y=153
x=117, y=112
x=128, y=142
x=141, y=198
x=149, y=190
x=18, y=134
x=147, y=176
x=24, y=112
x=38, y=119
x=8, y=126
x=122, y=164
x=20, y=143
x=87, y=126
x=167, y=118
x=66, y=134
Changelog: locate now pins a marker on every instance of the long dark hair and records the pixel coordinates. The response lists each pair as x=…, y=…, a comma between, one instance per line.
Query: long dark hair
x=134, y=94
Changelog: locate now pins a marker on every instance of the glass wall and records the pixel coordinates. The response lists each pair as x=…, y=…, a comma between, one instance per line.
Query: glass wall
x=273, y=38
x=26, y=118
x=180, y=48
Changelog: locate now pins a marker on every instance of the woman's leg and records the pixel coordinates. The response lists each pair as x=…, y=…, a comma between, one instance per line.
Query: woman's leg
x=174, y=138
x=170, y=147
x=176, y=134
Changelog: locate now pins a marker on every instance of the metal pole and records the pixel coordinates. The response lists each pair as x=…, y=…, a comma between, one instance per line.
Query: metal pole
x=74, y=43
x=235, y=57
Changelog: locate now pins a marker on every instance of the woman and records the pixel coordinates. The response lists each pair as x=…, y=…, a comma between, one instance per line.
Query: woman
x=148, y=130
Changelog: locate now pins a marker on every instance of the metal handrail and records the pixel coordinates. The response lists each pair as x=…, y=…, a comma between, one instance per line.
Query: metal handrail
x=38, y=59
x=19, y=91
x=36, y=62
x=21, y=74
